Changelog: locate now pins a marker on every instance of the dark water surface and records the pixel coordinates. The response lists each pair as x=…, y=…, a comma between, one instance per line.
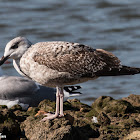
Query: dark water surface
x=108, y=24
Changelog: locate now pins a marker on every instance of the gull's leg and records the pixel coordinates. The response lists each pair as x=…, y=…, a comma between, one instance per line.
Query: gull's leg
x=57, y=100
x=61, y=102
x=53, y=116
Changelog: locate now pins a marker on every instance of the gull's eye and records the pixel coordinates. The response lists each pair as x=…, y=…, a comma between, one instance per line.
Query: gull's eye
x=14, y=46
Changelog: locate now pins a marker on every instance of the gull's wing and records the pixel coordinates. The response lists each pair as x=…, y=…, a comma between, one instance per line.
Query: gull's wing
x=74, y=58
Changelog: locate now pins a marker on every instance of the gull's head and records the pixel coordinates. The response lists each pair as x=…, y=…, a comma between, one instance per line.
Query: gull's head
x=15, y=49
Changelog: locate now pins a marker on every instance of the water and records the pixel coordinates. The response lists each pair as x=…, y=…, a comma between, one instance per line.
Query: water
x=107, y=24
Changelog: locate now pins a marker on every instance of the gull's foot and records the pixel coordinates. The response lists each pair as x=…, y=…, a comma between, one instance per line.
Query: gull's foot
x=61, y=115
x=50, y=117
x=48, y=114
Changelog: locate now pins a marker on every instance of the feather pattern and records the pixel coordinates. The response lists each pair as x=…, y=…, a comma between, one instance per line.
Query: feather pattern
x=76, y=59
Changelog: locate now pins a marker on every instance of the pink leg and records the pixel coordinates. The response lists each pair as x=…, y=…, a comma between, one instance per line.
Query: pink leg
x=61, y=102
x=53, y=116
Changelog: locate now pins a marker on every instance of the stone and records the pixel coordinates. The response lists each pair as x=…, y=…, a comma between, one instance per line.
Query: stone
x=133, y=100
x=110, y=105
x=103, y=119
x=117, y=119
x=135, y=135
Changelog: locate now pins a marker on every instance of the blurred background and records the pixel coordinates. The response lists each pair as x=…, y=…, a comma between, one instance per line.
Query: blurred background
x=107, y=24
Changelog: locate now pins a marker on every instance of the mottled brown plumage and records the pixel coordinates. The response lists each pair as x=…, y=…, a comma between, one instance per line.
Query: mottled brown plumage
x=76, y=59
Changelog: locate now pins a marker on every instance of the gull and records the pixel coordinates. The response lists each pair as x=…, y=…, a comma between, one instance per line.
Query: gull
x=59, y=63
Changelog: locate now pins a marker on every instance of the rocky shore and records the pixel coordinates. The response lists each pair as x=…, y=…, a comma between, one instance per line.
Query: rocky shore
x=105, y=119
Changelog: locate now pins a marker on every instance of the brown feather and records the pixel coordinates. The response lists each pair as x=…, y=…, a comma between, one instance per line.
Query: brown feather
x=77, y=59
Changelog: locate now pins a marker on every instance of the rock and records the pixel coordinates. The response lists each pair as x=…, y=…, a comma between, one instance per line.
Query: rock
x=47, y=105
x=130, y=123
x=73, y=125
x=76, y=105
x=56, y=129
x=92, y=113
x=41, y=130
x=133, y=100
x=32, y=110
x=23, y=138
x=6, y=114
x=135, y=135
x=116, y=120
x=109, y=105
x=10, y=128
x=3, y=106
x=8, y=124
x=103, y=119
x=70, y=118
x=16, y=107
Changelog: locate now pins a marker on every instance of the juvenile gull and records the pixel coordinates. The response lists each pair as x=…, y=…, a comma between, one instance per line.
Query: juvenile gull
x=56, y=64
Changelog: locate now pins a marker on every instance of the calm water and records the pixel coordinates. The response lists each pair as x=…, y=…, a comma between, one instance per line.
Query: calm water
x=108, y=24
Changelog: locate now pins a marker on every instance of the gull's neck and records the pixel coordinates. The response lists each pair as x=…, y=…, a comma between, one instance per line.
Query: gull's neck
x=16, y=63
x=17, y=66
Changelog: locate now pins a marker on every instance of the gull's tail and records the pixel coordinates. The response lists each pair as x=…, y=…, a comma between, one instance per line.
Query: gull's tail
x=70, y=91
x=124, y=70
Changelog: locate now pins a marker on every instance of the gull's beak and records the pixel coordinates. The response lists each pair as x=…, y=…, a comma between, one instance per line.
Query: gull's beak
x=3, y=59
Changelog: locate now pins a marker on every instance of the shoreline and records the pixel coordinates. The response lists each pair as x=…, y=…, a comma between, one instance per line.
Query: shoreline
x=106, y=118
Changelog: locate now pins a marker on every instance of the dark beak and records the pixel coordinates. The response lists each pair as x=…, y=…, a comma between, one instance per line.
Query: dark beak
x=3, y=59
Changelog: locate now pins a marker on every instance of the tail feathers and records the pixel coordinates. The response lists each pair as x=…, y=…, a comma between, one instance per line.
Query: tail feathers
x=124, y=70
x=72, y=90
x=69, y=91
